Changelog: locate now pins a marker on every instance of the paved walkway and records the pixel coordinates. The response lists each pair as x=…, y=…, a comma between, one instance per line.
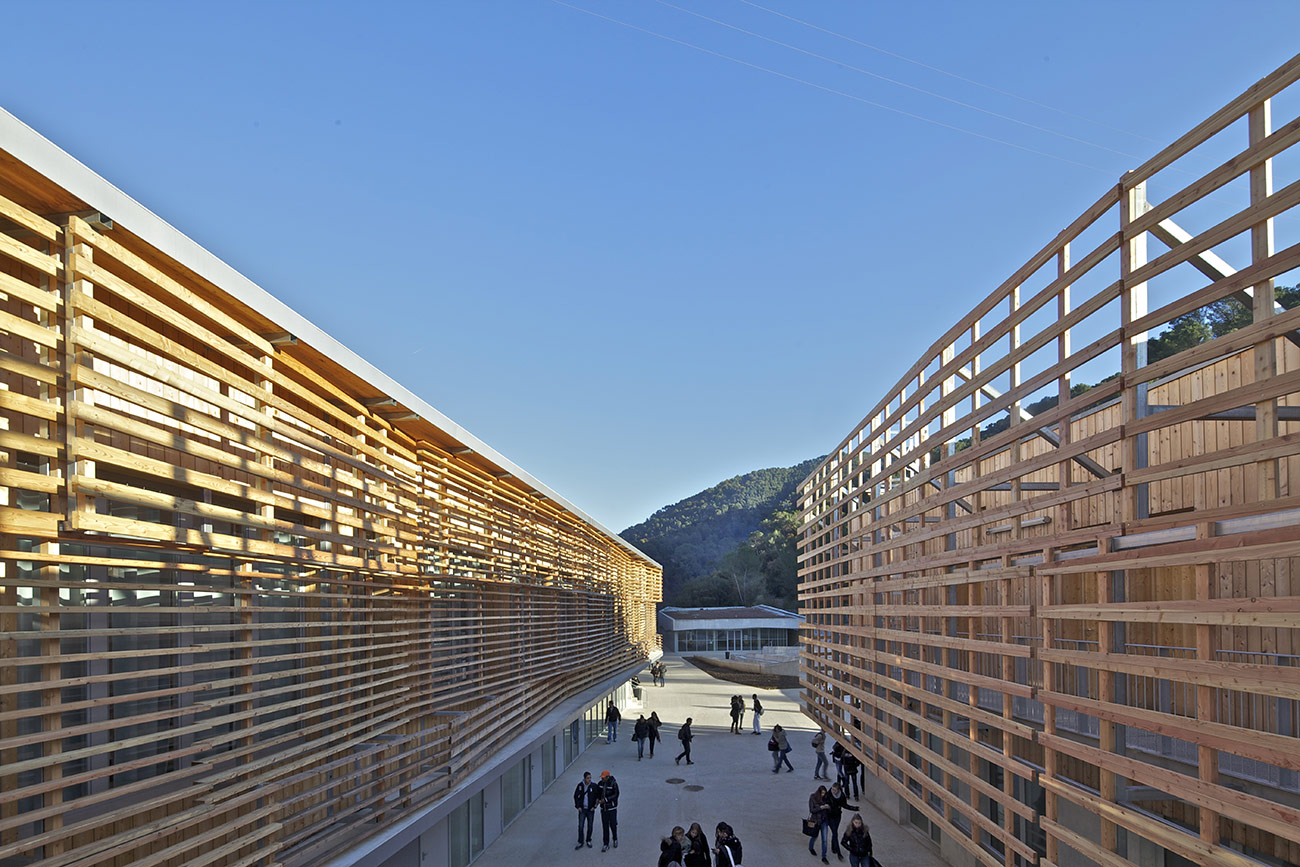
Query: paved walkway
x=734, y=771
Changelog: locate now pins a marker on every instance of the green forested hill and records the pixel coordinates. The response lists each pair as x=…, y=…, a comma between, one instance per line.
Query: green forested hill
x=738, y=533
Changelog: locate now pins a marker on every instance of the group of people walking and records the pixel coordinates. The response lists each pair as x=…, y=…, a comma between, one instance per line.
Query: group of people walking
x=826, y=809
x=738, y=713
x=646, y=732
x=690, y=848
x=592, y=795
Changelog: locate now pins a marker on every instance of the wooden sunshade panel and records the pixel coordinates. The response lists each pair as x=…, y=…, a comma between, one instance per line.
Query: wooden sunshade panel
x=247, y=615
x=1057, y=620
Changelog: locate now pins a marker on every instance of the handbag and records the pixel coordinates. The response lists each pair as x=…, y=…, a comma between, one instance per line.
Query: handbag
x=771, y=745
x=810, y=828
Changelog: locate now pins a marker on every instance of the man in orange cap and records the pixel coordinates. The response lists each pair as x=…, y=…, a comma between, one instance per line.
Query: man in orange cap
x=608, y=809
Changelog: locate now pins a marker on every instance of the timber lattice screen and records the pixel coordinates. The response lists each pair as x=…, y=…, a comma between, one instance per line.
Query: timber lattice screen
x=246, y=617
x=1076, y=630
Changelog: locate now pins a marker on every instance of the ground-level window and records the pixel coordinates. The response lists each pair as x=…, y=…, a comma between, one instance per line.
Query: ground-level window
x=465, y=832
x=516, y=789
x=548, y=761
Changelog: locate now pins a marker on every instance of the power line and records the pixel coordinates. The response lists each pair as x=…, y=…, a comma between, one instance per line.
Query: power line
x=899, y=83
x=963, y=78
x=832, y=90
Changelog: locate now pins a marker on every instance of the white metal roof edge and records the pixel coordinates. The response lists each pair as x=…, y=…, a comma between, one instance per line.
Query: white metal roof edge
x=67, y=171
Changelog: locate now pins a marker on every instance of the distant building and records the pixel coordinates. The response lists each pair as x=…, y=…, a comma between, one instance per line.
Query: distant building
x=736, y=628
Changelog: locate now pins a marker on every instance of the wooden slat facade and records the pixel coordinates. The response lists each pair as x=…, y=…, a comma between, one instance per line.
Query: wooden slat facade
x=252, y=608
x=1073, y=637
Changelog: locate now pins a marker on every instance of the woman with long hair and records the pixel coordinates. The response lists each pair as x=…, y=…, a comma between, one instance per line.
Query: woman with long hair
x=696, y=847
x=857, y=842
x=817, y=810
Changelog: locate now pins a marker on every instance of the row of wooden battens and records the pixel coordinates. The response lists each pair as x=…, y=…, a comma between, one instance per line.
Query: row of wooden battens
x=116, y=366
x=896, y=513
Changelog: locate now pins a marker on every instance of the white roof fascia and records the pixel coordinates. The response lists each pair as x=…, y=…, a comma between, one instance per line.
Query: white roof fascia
x=62, y=168
x=766, y=623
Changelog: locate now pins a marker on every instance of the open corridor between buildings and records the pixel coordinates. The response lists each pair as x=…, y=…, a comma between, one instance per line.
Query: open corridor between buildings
x=731, y=781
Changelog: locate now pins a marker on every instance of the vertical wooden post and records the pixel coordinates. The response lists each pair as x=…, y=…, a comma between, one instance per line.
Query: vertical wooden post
x=1133, y=348
x=1261, y=247
x=1064, y=432
x=1048, y=625
x=1207, y=758
x=1106, y=729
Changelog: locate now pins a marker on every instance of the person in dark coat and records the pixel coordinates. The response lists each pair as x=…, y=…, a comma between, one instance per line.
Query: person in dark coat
x=837, y=802
x=585, y=798
x=608, y=809
x=697, y=847
x=684, y=735
x=857, y=842
x=735, y=714
x=728, y=851
x=671, y=847
x=740, y=716
x=850, y=772
x=758, y=715
x=817, y=810
x=612, y=717
x=640, y=732
x=654, y=730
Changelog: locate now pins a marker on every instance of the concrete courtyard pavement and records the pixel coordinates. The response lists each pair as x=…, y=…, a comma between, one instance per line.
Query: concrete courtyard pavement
x=734, y=773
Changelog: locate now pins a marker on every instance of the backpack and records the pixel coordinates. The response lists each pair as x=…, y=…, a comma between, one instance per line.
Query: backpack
x=733, y=843
x=682, y=733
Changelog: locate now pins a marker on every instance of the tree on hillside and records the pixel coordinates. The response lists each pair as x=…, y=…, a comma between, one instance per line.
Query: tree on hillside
x=693, y=538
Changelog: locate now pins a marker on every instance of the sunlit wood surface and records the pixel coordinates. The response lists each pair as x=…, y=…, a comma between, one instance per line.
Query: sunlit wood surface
x=1081, y=630
x=252, y=608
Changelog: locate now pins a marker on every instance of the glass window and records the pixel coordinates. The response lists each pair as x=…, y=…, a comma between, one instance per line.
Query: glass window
x=548, y=761
x=515, y=785
x=475, y=825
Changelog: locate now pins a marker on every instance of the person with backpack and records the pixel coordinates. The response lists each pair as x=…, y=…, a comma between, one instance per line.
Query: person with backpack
x=819, y=747
x=608, y=787
x=758, y=714
x=684, y=735
x=727, y=852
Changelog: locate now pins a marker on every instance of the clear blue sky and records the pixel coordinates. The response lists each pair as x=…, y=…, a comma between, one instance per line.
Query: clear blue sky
x=633, y=267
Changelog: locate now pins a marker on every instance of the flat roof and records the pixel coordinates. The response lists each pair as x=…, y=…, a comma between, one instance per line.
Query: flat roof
x=754, y=612
x=70, y=186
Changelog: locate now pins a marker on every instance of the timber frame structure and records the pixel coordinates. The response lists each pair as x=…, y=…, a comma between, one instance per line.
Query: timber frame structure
x=1072, y=637
x=258, y=602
